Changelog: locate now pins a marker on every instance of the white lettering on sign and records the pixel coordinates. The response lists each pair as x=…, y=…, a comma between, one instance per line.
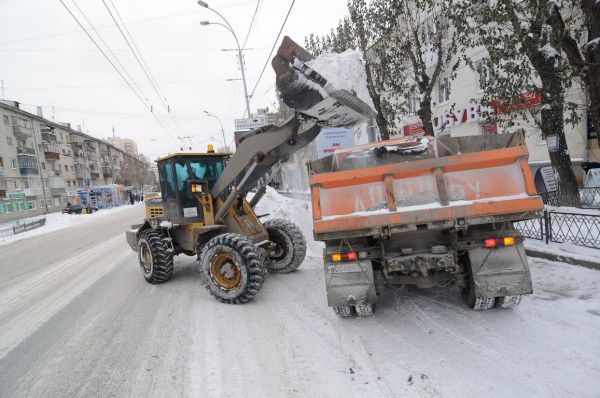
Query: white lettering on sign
x=471, y=113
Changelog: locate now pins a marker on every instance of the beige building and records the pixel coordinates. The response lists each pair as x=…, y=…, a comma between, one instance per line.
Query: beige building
x=125, y=144
x=44, y=164
x=458, y=112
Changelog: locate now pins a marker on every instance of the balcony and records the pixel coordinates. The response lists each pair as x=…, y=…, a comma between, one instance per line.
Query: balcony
x=25, y=151
x=51, y=150
x=57, y=185
x=83, y=175
x=48, y=136
x=95, y=175
x=27, y=164
x=19, y=129
x=77, y=141
x=107, y=172
x=78, y=160
x=93, y=161
x=57, y=191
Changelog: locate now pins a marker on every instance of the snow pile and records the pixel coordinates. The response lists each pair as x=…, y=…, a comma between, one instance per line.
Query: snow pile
x=58, y=221
x=344, y=71
x=296, y=210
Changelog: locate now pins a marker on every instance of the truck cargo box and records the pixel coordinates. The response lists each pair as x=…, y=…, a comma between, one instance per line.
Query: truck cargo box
x=421, y=183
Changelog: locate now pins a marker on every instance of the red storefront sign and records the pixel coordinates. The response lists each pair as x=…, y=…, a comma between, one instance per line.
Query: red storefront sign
x=525, y=101
x=412, y=129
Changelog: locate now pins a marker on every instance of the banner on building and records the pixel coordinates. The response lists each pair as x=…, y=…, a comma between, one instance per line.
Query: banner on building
x=331, y=139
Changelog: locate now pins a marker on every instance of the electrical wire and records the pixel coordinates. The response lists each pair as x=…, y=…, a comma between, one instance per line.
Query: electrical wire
x=272, y=48
x=137, y=94
x=251, y=24
x=140, y=60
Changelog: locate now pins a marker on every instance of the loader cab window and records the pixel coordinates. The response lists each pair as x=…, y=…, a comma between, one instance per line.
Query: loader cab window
x=207, y=169
x=169, y=181
x=183, y=176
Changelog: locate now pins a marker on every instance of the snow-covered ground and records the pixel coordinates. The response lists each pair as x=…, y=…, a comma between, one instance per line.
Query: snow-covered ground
x=58, y=221
x=78, y=319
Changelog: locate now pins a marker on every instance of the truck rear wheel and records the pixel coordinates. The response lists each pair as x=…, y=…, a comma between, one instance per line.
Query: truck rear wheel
x=506, y=302
x=232, y=268
x=290, y=249
x=343, y=311
x=156, y=262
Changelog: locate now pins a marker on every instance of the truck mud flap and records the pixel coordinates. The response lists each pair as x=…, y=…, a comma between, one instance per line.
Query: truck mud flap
x=502, y=271
x=350, y=283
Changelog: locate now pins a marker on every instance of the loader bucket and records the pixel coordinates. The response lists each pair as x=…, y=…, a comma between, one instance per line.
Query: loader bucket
x=309, y=93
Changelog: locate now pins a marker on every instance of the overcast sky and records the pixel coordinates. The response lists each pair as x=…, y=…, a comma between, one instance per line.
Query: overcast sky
x=47, y=60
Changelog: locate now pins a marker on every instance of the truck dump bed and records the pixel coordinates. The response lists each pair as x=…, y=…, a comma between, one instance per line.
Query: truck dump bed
x=422, y=183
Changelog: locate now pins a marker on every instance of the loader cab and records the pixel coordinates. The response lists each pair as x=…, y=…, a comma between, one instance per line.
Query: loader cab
x=185, y=182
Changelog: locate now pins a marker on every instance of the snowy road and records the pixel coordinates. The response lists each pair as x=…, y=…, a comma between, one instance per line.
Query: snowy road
x=77, y=319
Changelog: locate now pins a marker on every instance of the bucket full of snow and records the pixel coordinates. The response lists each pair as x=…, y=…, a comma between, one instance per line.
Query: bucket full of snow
x=331, y=88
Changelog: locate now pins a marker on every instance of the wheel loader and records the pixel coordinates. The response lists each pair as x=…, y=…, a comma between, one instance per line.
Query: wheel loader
x=203, y=210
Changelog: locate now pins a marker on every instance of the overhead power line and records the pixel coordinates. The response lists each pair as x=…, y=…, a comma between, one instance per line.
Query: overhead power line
x=143, y=64
x=251, y=24
x=137, y=94
x=272, y=48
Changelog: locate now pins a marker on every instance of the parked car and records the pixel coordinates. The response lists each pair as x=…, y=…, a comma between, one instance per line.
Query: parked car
x=76, y=209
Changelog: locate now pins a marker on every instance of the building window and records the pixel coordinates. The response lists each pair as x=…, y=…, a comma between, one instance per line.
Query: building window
x=13, y=163
x=43, y=166
x=41, y=203
x=72, y=169
x=68, y=183
x=484, y=74
x=31, y=204
x=1, y=162
x=9, y=141
x=411, y=103
x=45, y=183
x=66, y=168
x=17, y=185
x=6, y=120
x=443, y=90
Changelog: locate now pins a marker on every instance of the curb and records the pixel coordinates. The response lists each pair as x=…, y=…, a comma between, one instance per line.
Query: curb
x=564, y=259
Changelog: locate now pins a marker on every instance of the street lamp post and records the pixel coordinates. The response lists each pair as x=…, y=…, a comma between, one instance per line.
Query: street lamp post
x=222, y=129
x=229, y=28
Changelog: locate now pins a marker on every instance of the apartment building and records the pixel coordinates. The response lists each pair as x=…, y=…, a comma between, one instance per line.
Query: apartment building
x=44, y=165
x=125, y=144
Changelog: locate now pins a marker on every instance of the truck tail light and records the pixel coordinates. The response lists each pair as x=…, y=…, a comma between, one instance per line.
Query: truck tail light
x=509, y=241
x=489, y=242
x=339, y=257
x=495, y=242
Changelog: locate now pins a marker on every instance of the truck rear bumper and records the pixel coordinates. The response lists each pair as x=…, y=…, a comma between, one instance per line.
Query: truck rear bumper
x=350, y=283
x=500, y=271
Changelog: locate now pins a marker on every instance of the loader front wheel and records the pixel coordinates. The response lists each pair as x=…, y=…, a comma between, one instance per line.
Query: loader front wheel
x=156, y=262
x=290, y=246
x=232, y=268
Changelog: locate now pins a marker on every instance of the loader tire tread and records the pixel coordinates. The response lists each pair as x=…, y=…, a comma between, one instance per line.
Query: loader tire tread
x=278, y=229
x=161, y=257
x=251, y=264
x=506, y=302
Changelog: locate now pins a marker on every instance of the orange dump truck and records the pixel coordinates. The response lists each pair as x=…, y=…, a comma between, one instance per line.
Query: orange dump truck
x=430, y=212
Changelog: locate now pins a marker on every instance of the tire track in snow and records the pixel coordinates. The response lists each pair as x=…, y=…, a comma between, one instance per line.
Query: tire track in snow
x=34, y=299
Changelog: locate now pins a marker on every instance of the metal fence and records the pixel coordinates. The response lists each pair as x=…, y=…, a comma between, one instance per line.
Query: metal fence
x=556, y=226
x=589, y=197
x=22, y=227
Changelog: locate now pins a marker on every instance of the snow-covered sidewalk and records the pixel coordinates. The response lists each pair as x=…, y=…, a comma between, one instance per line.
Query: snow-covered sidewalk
x=57, y=221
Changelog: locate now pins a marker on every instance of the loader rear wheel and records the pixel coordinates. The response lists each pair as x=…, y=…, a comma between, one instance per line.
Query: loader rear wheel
x=232, y=268
x=156, y=262
x=290, y=249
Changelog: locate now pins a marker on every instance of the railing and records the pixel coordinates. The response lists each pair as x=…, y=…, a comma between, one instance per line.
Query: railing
x=22, y=227
x=25, y=151
x=51, y=147
x=78, y=160
x=589, y=197
x=557, y=226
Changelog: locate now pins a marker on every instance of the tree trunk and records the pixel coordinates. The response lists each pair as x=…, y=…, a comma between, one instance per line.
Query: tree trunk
x=552, y=131
x=380, y=119
x=426, y=115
